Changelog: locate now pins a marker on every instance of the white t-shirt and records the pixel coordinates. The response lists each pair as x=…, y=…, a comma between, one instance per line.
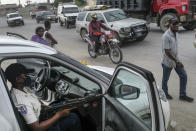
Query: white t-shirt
x=48, y=40
x=169, y=41
x=27, y=104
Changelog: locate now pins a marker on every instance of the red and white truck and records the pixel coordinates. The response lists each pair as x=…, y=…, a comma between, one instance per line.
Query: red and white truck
x=158, y=11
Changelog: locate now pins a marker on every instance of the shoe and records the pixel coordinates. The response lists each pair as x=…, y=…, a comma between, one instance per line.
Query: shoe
x=168, y=96
x=186, y=98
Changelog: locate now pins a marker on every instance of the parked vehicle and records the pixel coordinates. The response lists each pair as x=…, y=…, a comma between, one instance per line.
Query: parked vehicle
x=46, y=15
x=158, y=11
x=67, y=14
x=14, y=19
x=125, y=28
x=106, y=107
x=110, y=47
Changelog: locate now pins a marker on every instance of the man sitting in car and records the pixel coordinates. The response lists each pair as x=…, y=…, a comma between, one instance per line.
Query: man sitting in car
x=30, y=107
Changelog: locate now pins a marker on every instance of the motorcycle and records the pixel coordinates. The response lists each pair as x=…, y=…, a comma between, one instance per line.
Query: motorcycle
x=110, y=47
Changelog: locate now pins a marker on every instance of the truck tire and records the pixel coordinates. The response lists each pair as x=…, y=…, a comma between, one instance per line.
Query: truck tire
x=190, y=26
x=83, y=32
x=164, y=22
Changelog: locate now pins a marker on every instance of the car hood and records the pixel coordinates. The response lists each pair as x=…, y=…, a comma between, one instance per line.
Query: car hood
x=15, y=18
x=71, y=14
x=51, y=16
x=127, y=22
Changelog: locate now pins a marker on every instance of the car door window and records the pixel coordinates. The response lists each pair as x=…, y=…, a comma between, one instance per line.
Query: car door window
x=137, y=101
x=99, y=15
x=81, y=16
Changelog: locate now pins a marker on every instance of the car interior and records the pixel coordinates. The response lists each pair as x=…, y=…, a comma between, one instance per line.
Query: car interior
x=61, y=87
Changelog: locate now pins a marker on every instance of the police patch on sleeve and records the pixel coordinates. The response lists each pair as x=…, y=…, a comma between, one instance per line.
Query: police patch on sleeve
x=23, y=109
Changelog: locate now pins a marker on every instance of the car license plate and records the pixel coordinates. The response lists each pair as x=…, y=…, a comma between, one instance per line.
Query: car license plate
x=139, y=34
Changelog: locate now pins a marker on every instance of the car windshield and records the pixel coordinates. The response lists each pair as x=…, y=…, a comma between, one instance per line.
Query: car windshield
x=115, y=15
x=13, y=15
x=47, y=13
x=70, y=10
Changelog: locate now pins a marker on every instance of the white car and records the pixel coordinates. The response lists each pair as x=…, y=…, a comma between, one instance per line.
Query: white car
x=103, y=101
x=14, y=19
x=114, y=18
x=67, y=14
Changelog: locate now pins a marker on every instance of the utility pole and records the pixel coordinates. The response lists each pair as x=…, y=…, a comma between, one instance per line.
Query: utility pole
x=19, y=2
x=48, y=3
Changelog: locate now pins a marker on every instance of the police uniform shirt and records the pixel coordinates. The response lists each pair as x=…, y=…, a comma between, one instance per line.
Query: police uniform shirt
x=27, y=105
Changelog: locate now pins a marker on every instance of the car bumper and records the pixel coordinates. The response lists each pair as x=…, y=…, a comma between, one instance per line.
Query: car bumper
x=188, y=18
x=52, y=19
x=71, y=21
x=134, y=35
x=15, y=22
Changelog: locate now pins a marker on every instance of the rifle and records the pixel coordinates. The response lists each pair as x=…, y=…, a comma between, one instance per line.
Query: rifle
x=48, y=112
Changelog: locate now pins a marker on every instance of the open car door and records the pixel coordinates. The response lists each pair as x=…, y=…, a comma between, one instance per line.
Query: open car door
x=132, y=101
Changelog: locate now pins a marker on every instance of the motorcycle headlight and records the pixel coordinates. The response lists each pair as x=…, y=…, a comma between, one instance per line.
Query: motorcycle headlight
x=184, y=8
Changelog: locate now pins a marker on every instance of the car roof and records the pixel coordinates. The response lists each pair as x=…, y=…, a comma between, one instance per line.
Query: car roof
x=9, y=44
x=70, y=6
x=99, y=11
x=12, y=13
x=44, y=11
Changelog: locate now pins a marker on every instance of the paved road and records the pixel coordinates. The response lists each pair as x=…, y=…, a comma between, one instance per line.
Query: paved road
x=146, y=54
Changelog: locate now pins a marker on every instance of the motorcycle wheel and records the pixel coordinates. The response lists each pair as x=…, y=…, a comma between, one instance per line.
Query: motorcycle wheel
x=115, y=54
x=91, y=51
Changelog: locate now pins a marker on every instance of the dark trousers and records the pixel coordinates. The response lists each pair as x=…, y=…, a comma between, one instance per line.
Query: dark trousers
x=182, y=75
x=70, y=123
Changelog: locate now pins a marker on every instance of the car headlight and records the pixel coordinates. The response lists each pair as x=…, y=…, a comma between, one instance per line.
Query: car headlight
x=127, y=29
x=49, y=17
x=122, y=30
x=184, y=8
x=162, y=95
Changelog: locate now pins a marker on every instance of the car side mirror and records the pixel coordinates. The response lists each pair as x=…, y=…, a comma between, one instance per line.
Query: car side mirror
x=128, y=92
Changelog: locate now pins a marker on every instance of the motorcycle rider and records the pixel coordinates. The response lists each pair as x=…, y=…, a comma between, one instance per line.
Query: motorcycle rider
x=95, y=31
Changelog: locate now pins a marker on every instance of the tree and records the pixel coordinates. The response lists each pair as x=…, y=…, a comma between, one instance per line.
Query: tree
x=56, y=2
x=80, y=2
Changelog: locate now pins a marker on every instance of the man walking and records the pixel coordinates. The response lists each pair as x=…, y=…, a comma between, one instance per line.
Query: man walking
x=170, y=60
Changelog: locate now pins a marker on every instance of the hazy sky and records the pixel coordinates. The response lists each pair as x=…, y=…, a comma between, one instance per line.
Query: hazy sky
x=21, y=1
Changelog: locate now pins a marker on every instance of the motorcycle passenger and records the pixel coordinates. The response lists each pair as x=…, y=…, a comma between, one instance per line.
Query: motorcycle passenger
x=95, y=31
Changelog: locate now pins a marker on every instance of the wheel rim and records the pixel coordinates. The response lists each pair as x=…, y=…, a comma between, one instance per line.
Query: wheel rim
x=83, y=33
x=91, y=51
x=165, y=24
x=115, y=55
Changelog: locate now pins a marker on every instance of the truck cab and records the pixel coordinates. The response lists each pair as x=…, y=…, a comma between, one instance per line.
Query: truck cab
x=183, y=10
x=158, y=11
x=67, y=14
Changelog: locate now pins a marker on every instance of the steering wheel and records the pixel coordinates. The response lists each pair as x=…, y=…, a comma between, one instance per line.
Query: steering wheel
x=41, y=79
